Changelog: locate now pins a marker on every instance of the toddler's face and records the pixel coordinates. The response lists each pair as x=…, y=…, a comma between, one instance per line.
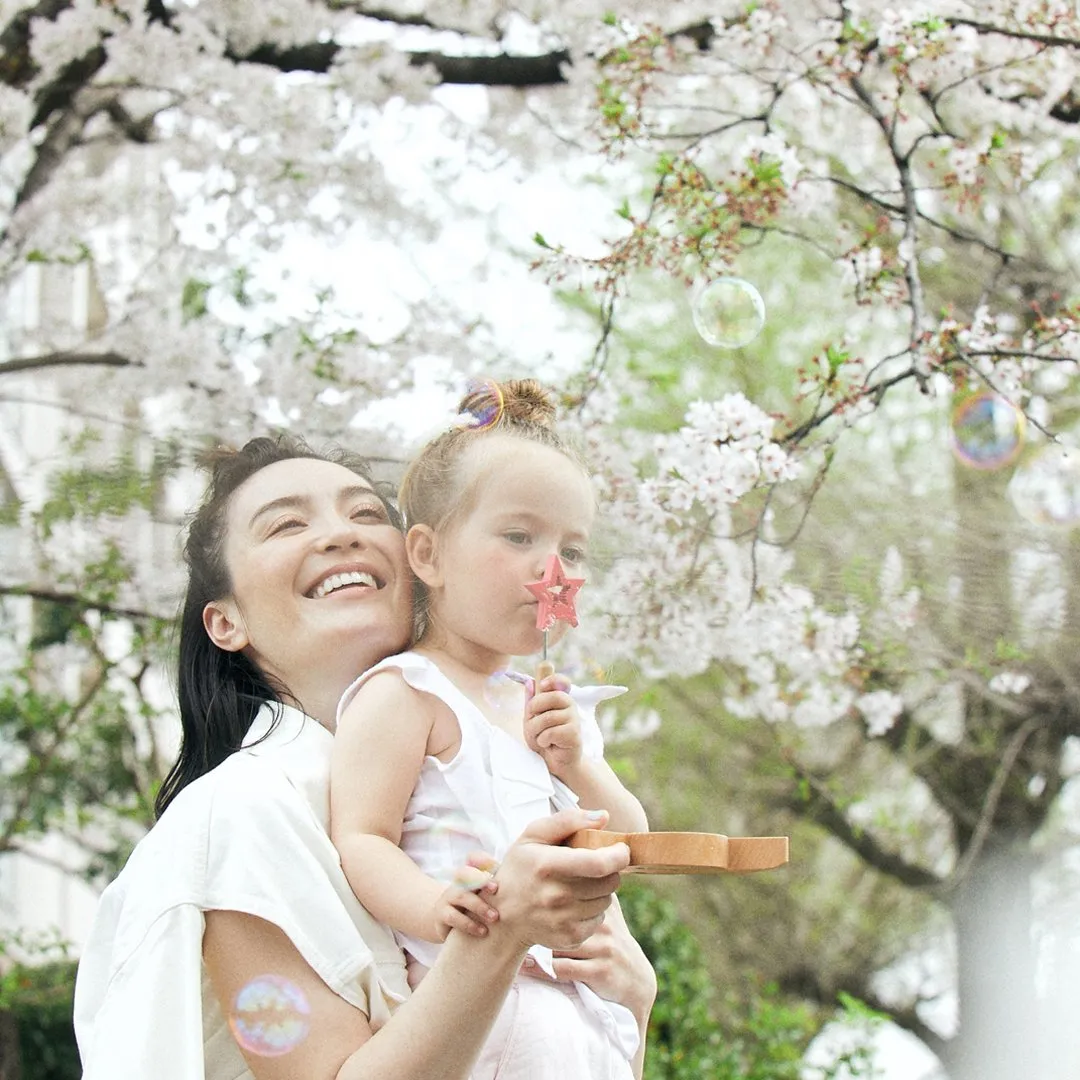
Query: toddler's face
x=529, y=502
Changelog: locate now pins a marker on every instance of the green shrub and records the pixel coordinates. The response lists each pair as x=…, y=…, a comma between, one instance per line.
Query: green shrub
x=39, y=999
x=693, y=1035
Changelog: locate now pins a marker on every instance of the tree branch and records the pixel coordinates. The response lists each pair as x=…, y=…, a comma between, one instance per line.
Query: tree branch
x=71, y=600
x=821, y=807
x=808, y=984
x=993, y=797
x=1021, y=35
x=42, y=758
x=67, y=359
x=63, y=133
x=17, y=67
x=502, y=69
x=499, y=70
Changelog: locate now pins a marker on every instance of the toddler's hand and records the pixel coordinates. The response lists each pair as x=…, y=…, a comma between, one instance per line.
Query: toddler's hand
x=552, y=727
x=463, y=906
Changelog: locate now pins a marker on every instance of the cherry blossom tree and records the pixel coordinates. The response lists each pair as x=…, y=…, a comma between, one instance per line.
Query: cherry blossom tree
x=906, y=152
x=899, y=183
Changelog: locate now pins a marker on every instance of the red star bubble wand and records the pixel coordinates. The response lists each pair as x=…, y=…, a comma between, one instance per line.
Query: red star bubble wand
x=554, y=594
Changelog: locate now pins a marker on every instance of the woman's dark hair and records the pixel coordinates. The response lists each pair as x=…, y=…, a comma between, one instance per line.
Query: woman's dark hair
x=220, y=692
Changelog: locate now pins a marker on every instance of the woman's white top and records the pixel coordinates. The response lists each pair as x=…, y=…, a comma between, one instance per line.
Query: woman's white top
x=249, y=836
x=484, y=798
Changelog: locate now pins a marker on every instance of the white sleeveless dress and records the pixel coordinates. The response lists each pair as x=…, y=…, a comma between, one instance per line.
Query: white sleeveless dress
x=483, y=799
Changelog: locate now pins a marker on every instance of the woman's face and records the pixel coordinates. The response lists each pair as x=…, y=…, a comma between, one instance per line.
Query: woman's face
x=320, y=585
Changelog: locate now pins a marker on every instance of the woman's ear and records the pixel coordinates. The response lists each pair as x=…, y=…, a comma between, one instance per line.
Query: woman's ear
x=225, y=625
x=421, y=546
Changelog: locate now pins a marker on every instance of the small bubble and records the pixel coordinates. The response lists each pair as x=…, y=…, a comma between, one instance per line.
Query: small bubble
x=729, y=313
x=469, y=877
x=458, y=837
x=502, y=694
x=270, y=1016
x=1046, y=490
x=987, y=431
x=484, y=404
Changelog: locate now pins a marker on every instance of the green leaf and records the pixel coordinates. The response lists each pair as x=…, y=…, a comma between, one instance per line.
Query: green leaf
x=193, y=299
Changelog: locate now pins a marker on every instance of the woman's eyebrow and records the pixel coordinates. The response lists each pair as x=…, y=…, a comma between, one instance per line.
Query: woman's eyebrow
x=355, y=490
x=286, y=502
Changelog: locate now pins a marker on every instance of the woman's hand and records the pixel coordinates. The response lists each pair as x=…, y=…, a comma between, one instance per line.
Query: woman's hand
x=612, y=964
x=557, y=896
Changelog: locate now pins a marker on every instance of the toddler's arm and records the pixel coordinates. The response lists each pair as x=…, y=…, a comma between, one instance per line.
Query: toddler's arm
x=553, y=729
x=379, y=749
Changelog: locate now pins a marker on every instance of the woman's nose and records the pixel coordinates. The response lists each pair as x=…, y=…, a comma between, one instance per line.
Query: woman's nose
x=340, y=533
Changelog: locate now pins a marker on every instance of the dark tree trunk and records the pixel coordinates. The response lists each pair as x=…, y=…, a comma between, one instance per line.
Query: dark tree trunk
x=10, y=1064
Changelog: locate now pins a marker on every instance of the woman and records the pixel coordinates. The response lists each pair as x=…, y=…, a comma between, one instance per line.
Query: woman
x=297, y=581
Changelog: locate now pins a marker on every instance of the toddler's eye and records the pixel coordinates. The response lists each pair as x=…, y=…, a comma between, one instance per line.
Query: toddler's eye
x=573, y=555
x=517, y=536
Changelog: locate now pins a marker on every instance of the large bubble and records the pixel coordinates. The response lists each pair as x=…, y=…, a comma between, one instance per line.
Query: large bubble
x=987, y=431
x=485, y=404
x=729, y=313
x=1046, y=489
x=270, y=1016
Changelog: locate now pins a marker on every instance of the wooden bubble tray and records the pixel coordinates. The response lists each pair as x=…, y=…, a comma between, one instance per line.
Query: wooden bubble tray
x=690, y=852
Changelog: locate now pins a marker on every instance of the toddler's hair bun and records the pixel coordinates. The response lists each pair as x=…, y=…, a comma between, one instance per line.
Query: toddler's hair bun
x=517, y=401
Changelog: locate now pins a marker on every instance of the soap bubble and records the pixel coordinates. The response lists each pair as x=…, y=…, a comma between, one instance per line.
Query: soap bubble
x=471, y=878
x=503, y=693
x=987, y=431
x=484, y=404
x=1046, y=490
x=729, y=313
x=457, y=836
x=270, y=1016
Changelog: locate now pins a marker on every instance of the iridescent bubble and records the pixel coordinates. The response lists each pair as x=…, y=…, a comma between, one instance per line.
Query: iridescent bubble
x=1046, y=489
x=483, y=404
x=987, y=431
x=270, y=1016
x=458, y=837
x=469, y=877
x=503, y=694
x=729, y=313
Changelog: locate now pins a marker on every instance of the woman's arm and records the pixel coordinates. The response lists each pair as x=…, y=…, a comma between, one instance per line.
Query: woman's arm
x=379, y=749
x=552, y=895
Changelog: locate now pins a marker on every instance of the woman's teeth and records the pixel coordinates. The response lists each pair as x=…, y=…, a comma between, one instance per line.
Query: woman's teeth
x=339, y=581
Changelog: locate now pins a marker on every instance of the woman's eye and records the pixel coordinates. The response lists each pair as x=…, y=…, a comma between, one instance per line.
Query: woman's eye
x=284, y=524
x=370, y=512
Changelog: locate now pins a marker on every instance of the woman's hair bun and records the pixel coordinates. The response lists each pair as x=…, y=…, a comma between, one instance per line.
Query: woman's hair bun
x=517, y=401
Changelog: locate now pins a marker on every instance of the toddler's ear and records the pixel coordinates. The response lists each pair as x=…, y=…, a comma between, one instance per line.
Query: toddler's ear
x=421, y=545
